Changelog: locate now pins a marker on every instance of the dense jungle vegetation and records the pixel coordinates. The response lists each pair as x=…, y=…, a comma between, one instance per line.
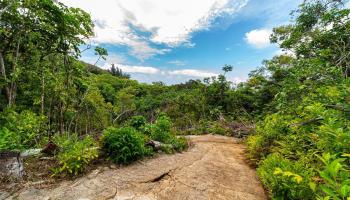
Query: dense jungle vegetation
x=299, y=102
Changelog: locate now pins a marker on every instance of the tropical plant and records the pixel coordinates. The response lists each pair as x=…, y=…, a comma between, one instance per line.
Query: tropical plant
x=124, y=145
x=75, y=154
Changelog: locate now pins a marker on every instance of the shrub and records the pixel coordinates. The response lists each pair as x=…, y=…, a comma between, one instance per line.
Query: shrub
x=285, y=179
x=75, y=154
x=167, y=148
x=179, y=144
x=161, y=136
x=272, y=129
x=137, y=122
x=26, y=126
x=335, y=176
x=218, y=128
x=124, y=145
x=256, y=147
x=163, y=123
x=9, y=140
x=160, y=131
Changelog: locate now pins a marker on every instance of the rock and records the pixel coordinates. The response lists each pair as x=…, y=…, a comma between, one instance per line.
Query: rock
x=155, y=144
x=50, y=149
x=31, y=152
x=11, y=165
x=93, y=174
x=4, y=195
x=113, y=167
x=32, y=194
x=105, y=168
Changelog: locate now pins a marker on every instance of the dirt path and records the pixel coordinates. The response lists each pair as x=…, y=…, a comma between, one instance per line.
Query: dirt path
x=213, y=168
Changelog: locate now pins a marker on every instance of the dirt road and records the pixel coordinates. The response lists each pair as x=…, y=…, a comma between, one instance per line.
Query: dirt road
x=214, y=168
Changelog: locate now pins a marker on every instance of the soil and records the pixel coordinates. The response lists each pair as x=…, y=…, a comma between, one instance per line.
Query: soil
x=213, y=168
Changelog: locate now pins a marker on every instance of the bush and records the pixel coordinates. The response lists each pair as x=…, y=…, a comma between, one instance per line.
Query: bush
x=124, y=145
x=285, y=179
x=138, y=122
x=179, y=144
x=256, y=147
x=75, y=154
x=275, y=127
x=335, y=178
x=160, y=131
x=9, y=140
x=218, y=128
x=25, y=126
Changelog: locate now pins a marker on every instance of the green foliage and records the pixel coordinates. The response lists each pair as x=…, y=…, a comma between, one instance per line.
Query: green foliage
x=26, y=128
x=300, y=102
x=161, y=130
x=256, y=147
x=335, y=176
x=75, y=154
x=167, y=148
x=101, y=52
x=309, y=113
x=285, y=179
x=124, y=145
x=218, y=128
x=138, y=122
x=9, y=140
x=179, y=143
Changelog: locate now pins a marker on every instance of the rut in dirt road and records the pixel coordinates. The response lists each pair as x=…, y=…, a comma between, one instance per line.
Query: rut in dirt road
x=214, y=168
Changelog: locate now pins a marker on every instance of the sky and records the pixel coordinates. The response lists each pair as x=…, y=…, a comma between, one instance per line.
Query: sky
x=174, y=41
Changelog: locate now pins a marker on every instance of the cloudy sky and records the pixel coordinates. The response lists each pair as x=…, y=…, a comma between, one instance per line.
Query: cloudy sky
x=177, y=40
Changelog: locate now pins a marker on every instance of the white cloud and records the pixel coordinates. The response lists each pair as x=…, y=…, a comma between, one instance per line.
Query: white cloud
x=138, y=69
x=193, y=73
x=347, y=5
x=237, y=80
x=177, y=62
x=116, y=58
x=142, y=24
x=134, y=69
x=142, y=50
x=259, y=38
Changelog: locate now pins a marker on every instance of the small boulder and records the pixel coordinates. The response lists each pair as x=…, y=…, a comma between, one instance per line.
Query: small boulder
x=50, y=149
x=154, y=144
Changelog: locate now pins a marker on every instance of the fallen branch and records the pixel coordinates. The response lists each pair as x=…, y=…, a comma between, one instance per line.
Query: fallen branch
x=307, y=122
x=338, y=107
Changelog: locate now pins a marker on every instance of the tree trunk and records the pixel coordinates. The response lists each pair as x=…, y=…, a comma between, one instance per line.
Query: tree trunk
x=7, y=86
x=13, y=86
x=61, y=118
x=42, y=91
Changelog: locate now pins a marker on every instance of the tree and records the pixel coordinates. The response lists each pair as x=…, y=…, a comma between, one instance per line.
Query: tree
x=24, y=38
x=227, y=68
x=101, y=53
x=114, y=70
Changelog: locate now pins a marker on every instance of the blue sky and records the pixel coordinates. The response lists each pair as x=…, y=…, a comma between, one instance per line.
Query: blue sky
x=174, y=41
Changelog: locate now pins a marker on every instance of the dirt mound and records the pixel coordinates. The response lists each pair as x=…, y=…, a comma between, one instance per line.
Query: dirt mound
x=214, y=168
